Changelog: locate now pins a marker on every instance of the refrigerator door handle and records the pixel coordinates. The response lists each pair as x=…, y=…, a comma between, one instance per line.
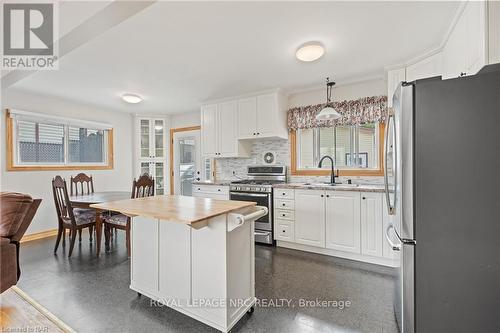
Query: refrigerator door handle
x=394, y=247
x=390, y=208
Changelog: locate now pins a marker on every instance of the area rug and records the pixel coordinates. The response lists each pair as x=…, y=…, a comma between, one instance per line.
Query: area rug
x=20, y=313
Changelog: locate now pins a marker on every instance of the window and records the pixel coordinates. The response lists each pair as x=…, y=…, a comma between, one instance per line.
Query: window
x=46, y=145
x=356, y=149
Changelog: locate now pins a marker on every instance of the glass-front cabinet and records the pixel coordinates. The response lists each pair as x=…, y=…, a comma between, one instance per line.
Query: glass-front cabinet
x=151, y=143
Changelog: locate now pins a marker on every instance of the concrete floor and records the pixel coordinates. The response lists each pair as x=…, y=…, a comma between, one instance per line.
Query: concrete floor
x=92, y=294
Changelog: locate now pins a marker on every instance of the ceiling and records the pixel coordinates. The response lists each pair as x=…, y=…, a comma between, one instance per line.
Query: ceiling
x=178, y=55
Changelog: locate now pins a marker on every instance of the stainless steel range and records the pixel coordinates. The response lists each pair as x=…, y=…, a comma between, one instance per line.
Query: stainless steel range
x=259, y=188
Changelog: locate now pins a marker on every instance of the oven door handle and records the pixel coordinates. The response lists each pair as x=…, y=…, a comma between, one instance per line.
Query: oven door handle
x=249, y=194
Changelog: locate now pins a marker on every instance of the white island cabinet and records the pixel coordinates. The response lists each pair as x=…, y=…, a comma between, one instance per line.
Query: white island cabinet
x=195, y=255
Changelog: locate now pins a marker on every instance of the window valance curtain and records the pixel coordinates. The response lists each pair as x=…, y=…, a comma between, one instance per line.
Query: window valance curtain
x=354, y=112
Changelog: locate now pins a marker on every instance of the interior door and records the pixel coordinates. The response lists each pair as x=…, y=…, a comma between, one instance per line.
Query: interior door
x=187, y=161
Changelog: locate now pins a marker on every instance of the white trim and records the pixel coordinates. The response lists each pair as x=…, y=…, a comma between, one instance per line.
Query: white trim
x=50, y=119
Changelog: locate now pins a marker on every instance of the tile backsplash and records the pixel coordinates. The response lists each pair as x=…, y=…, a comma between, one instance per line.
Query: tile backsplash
x=235, y=168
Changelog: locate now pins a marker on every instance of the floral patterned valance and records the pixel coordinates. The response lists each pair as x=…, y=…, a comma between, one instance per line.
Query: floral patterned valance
x=355, y=112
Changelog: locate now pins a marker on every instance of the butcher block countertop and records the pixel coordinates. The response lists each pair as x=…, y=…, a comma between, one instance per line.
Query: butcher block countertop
x=175, y=208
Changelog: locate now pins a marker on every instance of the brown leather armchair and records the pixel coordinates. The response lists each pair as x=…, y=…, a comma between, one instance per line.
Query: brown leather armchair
x=16, y=213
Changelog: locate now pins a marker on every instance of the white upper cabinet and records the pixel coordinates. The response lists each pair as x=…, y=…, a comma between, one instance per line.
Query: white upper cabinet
x=267, y=111
x=228, y=130
x=151, y=138
x=493, y=32
x=310, y=217
x=371, y=224
x=262, y=116
x=219, y=131
x=343, y=221
x=209, y=126
x=465, y=51
x=476, y=37
x=247, y=117
x=428, y=67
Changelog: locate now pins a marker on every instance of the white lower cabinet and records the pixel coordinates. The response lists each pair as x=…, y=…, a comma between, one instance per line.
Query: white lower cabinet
x=347, y=224
x=310, y=217
x=220, y=192
x=343, y=221
x=371, y=224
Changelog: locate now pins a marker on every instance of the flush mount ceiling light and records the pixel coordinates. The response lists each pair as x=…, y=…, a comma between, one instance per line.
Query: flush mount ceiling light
x=310, y=51
x=328, y=112
x=132, y=98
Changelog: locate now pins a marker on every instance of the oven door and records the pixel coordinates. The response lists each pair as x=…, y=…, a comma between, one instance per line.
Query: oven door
x=262, y=199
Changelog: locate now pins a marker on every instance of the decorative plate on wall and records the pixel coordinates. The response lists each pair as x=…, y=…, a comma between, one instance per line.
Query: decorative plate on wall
x=269, y=157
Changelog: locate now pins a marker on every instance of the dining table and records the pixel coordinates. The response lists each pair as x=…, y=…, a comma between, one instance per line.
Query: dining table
x=85, y=200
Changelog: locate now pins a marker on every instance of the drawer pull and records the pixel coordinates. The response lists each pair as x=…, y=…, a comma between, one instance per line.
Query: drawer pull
x=283, y=204
x=283, y=215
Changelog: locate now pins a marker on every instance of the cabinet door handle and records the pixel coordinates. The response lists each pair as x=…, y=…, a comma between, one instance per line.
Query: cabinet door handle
x=254, y=134
x=283, y=193
x=328, y=195
x=258, y=133
x=364, y=198
x=218, y=190
x=283, y=215
x=322, y=195
x=283, y=204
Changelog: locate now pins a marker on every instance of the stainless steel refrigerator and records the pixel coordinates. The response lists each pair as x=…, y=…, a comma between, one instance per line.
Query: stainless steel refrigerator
x=442, y=160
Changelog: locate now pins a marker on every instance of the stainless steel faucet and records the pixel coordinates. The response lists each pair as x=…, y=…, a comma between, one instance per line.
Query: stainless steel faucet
x=332, y=175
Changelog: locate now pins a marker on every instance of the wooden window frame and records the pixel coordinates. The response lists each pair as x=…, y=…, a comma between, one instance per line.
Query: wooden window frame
x=342, y=172
x=9, y=123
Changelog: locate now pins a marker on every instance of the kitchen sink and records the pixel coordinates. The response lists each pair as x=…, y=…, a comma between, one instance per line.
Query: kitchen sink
x=330, y=184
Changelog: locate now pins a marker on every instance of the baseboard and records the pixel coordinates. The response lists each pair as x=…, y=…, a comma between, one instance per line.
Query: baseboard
x=39, y=235
x=334, y=253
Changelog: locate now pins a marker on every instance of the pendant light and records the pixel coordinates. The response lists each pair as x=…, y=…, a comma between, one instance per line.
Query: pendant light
x=328, y=112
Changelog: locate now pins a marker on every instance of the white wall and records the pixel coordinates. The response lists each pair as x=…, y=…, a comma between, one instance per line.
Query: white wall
x=339, y=93
x=38, y=183
x=185, y=119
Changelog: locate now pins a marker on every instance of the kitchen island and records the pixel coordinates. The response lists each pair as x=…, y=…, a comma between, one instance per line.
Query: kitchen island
x=195, y=255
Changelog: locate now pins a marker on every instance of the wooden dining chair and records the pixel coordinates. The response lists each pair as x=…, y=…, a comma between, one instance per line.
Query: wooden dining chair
x=143, y=187
x=81, y=184
x=66, y=216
